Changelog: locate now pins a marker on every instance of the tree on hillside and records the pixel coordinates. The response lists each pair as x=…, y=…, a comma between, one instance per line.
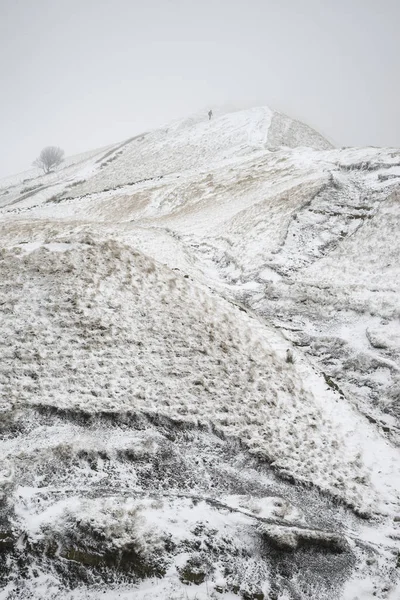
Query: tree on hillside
x=49, y=158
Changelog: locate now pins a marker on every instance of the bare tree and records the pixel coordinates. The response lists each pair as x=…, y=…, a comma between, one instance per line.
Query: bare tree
x=50, y=157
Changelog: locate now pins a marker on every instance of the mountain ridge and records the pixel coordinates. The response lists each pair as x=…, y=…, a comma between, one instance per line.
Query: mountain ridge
x=201, y=373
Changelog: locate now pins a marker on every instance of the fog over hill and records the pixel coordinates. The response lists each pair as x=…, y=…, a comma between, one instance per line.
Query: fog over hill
x=200, y=368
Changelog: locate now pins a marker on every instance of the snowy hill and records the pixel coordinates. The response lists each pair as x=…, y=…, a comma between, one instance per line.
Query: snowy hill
x=200, y=368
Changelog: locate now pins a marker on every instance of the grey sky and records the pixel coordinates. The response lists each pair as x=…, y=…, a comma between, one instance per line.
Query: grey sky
x=84, y=73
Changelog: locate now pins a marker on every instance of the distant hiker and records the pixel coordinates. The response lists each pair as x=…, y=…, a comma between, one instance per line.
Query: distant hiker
x=209, y=114
x=289, y=356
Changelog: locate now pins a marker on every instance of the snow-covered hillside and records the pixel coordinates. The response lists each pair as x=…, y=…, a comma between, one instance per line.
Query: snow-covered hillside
x=200, y=368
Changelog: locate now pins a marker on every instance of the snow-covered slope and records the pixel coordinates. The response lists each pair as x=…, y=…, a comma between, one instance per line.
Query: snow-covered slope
x=200, y=368
x=193, y=144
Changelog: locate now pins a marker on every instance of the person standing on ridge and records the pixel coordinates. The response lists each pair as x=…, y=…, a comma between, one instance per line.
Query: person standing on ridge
x=210, y=114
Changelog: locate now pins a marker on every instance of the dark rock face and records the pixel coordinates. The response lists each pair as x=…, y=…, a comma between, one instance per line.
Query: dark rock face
x=190, y=472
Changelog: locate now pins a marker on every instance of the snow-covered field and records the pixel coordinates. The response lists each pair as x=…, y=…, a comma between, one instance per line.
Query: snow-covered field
x=200, y=368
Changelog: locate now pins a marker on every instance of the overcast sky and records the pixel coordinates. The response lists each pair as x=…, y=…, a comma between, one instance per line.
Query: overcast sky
x=84, y=73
